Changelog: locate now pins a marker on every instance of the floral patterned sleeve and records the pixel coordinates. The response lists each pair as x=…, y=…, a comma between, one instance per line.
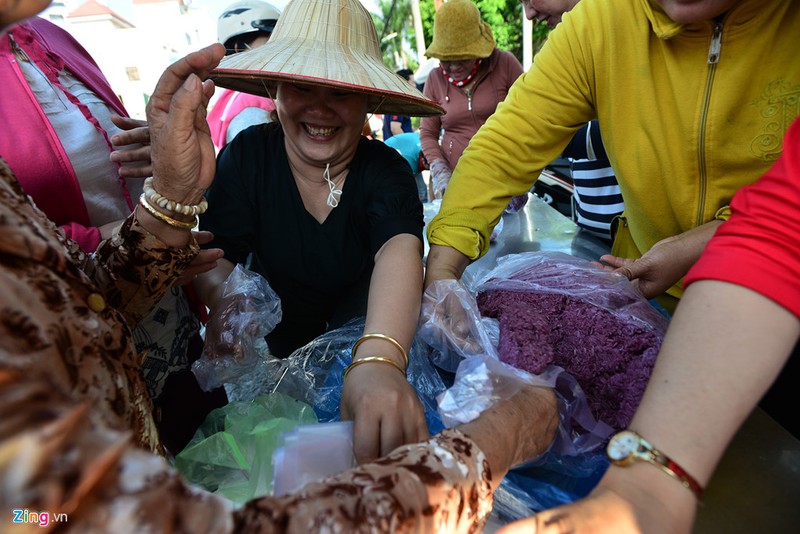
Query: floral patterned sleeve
x=440, y=485
x=60, y=460
x=133, y=269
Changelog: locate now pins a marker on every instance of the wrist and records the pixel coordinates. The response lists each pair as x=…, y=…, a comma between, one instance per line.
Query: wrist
x=191, y=196
x=170, y=235
x=444, y=263
x=651, y=497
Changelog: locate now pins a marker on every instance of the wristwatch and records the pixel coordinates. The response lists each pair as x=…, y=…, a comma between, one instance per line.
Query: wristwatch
x=627, y=447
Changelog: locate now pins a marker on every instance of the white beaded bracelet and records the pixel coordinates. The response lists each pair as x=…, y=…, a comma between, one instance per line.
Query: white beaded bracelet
x=156, y=199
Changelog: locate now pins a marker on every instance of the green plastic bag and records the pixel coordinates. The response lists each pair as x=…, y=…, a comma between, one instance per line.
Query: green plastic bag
x=231, y=453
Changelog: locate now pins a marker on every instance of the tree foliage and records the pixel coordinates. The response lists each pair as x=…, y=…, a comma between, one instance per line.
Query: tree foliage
x=396, y=18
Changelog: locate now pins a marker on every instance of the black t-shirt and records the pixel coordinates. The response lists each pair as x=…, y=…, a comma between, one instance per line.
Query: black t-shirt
x=321, y=272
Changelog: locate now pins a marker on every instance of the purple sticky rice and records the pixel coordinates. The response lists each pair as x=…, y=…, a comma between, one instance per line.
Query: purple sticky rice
x=610, y=356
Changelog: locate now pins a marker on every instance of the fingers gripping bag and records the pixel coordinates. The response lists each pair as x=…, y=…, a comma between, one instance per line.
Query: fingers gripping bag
x=314, y=374
x=234, y=337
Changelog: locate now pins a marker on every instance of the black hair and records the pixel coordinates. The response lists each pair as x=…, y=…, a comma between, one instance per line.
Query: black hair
x=242, y=41
x=405, y=73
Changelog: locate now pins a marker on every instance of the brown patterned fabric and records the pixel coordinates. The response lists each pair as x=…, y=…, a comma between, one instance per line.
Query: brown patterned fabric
x=73, y=405
x=441, y=485
x=48, y=286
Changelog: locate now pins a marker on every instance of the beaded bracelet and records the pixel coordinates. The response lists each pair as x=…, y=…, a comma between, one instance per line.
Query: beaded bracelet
x=384, y=337
x=156, y=199
x=185, y=225
x=370, y=359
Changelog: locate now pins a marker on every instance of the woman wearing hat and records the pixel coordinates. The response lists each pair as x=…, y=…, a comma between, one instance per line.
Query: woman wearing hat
x=472, y=78
x=332, y=220
x=77, y=420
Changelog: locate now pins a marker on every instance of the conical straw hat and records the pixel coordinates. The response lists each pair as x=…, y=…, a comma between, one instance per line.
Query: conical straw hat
x=324, y=42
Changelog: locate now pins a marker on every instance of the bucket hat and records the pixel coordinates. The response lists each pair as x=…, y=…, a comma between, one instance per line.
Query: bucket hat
x=332, y=43
x=459, y=33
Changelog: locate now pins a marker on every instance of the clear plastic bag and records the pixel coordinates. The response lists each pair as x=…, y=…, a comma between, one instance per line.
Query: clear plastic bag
x=451, y=324
x=313, y=374
x=556, y=272
x=234, y=337
x=574, y=461
x=556, y=309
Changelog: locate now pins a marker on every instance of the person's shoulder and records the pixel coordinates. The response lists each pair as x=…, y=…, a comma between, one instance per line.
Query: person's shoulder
x=51, y=35
x=376, y=155
x=259, y=133
x=255, y=143
x=504, y=60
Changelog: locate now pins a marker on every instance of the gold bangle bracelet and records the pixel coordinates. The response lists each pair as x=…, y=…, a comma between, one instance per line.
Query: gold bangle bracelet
x=370, y=359
x=184, y=225
x=384, y=337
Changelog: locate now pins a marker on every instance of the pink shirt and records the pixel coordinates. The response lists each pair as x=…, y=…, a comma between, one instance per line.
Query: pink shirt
x=466, y=111
x=227, y=107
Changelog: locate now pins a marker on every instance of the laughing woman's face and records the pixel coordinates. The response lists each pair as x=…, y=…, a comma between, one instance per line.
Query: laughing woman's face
x=12, y=11
x=322, y=125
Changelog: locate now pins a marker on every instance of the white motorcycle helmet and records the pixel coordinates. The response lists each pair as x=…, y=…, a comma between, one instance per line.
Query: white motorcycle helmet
x=245, y=17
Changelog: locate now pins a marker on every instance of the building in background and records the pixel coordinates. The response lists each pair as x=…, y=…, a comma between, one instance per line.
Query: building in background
x=133, y=41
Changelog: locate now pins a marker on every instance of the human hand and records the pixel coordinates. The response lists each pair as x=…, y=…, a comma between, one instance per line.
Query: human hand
x=666, y=262
x=496, y=430
x=450, y=322
x=134, y=156
x=246, y=309
x=655, y=272
x=440, y=177
x=623, y=502
x=516, y=203
x=205, y=260
x=385, y=410
x=184, y=160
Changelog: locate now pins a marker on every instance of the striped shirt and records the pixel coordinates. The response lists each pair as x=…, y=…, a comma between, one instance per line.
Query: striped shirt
x=596, y=197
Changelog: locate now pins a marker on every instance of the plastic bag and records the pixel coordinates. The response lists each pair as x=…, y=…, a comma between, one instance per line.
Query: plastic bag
x=231, y=453
x=555, y=309
x=570, y=467
x=313, y=374
x=574, y=463
x=310, y=453
x=556, y=272
x=234, y=338
x=451, y=324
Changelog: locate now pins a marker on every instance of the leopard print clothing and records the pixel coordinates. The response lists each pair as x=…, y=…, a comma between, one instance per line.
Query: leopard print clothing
x=440, y=485
x=65, y=314
x=57, y=460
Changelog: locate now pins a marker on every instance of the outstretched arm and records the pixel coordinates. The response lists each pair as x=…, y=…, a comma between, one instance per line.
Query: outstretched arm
x=384, y=407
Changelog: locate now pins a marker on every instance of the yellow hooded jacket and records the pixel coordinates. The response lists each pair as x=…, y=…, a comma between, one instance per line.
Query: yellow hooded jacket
x=690, y=114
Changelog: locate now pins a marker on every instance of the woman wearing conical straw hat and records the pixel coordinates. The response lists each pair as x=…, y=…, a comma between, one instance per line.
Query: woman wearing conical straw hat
x=333, y=220
x=77, y=420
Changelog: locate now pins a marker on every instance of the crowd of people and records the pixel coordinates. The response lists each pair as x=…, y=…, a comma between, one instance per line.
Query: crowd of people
x=102, y=295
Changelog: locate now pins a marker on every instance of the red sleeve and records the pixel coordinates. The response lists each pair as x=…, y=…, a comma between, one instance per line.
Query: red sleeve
x=759, y=247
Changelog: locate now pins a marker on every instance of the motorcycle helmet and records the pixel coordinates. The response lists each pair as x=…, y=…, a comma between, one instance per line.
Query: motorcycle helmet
x=245, y=17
